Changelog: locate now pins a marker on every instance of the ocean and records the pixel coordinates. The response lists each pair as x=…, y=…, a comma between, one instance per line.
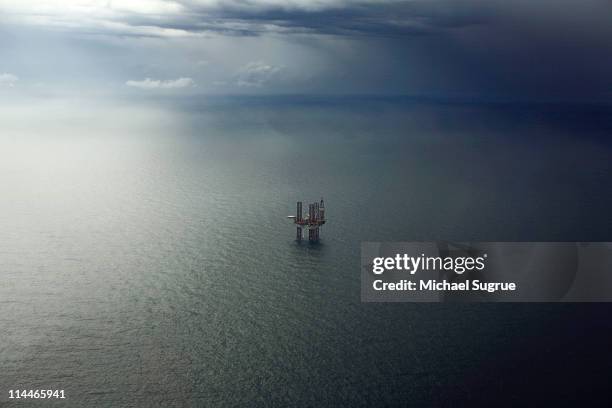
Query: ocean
x=146, y=258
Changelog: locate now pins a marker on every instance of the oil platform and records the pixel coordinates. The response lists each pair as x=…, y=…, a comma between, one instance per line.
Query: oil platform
x=312, y=222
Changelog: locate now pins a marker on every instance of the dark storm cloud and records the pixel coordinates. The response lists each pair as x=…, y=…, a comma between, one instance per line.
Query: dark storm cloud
x=549, y=49
x=403, y=18
x=373, y=18
x=507, y=49
x=517, y=49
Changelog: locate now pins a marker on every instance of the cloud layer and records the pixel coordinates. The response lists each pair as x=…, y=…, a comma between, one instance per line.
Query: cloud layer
x=519, y=49
x=257, y=74
x=246, y=17
x=8, y=80
x=149, y=83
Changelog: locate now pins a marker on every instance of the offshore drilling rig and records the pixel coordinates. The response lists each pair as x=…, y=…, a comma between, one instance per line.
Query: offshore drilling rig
x=312, y=222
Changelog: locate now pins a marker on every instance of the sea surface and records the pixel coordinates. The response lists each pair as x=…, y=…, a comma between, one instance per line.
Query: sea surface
x=146, y=258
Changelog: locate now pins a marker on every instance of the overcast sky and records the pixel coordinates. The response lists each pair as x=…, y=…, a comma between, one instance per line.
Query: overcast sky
x=502, y=49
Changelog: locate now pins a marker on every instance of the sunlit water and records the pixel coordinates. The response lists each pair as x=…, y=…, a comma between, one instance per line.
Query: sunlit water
x=154, y=265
